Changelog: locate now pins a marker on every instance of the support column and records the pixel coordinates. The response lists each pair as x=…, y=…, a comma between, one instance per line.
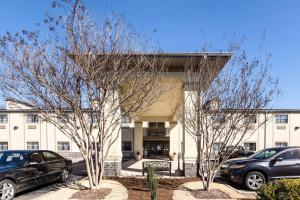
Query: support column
x=138, y=140
x=190, y=164
x=175, y=146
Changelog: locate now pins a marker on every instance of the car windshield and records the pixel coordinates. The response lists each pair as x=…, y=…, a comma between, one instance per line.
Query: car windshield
x=264, y=154
x=11, y=158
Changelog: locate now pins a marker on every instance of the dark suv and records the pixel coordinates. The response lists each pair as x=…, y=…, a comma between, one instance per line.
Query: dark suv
x=265, y=165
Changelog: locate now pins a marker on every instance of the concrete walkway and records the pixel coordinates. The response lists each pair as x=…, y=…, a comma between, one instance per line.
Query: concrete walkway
x=184, y=193
x=119, y=192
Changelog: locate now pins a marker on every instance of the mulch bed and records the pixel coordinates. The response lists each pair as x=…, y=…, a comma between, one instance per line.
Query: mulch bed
x=92, y=194
x=211, y=194
x=138, y=189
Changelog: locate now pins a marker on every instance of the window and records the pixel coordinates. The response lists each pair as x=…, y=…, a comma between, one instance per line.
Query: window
x=63, y=146
x=64, y=118
x=291, y=154
x=218, y=118
x=250, y=119
x=94, y=118
x=126, y=146
x=48, y=156
x=9, y=158
x=3, y=146
x=281, y=119
x=126, y=119
x=32, y=145
x=36, y=157
x=156, y=129
x=280, y=144
x=32, y=118
x=3, y=118
x=217, y=147
x=250, y=146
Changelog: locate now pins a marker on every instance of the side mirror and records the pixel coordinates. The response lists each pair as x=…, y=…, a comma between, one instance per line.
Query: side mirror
x=278, y=159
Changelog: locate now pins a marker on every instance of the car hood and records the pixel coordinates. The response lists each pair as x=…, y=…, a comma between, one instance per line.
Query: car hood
x=240, y=160
x=7, y=167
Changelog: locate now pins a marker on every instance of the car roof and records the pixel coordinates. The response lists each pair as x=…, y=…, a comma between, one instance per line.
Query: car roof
x=22, y=151
x=282, y=148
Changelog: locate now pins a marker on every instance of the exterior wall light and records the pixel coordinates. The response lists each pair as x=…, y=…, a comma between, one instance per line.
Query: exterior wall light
x=16, y=127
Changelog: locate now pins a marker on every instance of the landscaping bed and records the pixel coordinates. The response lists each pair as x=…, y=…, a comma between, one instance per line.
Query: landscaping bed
x=211, y=194
x=137, y=187
x=92, y=194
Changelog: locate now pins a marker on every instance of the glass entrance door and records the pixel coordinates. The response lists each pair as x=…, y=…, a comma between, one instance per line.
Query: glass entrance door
x=156, y=149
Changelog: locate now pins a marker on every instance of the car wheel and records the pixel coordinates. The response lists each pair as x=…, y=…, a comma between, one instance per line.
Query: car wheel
x=64, y=175
x=7, y=190
x=254, y=180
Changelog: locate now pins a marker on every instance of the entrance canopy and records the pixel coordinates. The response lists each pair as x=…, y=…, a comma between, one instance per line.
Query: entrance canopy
x=166, y=105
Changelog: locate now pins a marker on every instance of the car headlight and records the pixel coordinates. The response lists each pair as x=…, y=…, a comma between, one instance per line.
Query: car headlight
x=236, y=166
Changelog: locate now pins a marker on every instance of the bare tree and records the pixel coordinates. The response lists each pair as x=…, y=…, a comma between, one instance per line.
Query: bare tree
x=220, y=107
x=81, y=76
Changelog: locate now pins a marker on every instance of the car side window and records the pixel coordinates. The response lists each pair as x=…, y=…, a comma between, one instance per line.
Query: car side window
x=291, y=154
x=49, y=156
x=36, y=157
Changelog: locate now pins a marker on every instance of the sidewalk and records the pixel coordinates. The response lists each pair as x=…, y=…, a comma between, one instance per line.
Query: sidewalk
x=65, y=192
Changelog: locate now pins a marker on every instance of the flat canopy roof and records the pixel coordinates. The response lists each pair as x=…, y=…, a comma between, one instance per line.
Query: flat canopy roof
x=175, y=62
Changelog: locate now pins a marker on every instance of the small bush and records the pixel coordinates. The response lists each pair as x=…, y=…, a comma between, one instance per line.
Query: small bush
x=285, y=189
x=152, y=183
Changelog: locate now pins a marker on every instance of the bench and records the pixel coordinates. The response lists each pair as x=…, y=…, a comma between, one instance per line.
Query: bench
x=157, y=166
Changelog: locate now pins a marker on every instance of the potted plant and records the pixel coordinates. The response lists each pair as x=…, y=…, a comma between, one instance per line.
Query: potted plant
x=138, y=155
x=172, y=155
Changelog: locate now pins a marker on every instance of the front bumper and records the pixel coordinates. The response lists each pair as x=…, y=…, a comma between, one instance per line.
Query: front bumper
x=235, y=175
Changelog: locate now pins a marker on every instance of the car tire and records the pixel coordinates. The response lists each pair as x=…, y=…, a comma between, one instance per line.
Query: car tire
x=64, y=175
x=254, y=180
x=8, y=189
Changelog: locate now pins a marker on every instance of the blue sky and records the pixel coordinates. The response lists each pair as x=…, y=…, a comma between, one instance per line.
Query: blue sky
x=183, y=26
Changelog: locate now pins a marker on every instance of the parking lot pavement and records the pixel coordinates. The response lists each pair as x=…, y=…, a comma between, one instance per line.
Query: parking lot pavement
x=37, y=192
x=238, y=188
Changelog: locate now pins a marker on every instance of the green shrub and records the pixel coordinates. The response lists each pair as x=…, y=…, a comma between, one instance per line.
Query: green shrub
x=152, y=183
x=285, y=189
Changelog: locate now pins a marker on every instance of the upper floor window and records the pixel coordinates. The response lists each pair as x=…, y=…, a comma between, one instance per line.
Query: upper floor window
x=94, y=118
x=32, y=118
x=219, y=118
x=156, y=129
x=3, y=118
x=250, y=119
x=281, y=119
x=281, y=144
x=126, y=119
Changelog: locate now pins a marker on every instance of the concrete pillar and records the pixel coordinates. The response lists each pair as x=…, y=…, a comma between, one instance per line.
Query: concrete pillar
x=138, y=139
x=190, y=165
x=175, y=139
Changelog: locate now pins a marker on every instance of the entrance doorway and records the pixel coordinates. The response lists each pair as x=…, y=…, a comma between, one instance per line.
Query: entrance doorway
x=156, y=149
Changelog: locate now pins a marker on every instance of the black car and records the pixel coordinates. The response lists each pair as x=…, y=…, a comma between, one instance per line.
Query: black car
x=24, y=169
x=265, y=165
